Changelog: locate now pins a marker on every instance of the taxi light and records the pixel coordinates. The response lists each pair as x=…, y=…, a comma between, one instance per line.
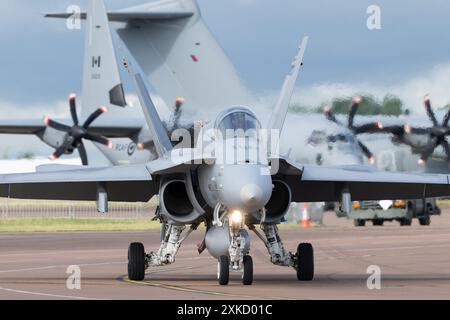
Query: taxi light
x=356, y=205
x=236, y=216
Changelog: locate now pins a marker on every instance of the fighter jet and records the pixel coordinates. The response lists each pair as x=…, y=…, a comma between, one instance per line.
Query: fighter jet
x=232, y=180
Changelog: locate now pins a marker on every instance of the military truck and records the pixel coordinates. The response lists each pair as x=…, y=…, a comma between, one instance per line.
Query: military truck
x=403, y=211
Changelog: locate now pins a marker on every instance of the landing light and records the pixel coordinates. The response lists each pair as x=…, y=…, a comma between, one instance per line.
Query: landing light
x=236, y=216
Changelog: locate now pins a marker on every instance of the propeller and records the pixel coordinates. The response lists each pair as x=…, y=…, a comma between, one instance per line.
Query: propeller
x=76, y=133
x=437, y=133
x=365, y=128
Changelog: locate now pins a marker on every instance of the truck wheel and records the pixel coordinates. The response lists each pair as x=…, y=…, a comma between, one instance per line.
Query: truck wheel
x=425, y=220
x=359, y=223
x=378, y=222
x=405, y=221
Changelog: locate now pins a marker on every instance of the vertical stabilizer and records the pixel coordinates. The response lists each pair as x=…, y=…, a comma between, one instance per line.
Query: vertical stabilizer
x=101, y=80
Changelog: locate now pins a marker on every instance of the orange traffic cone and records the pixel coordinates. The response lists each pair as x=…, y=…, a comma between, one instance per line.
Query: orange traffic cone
x=306, y=220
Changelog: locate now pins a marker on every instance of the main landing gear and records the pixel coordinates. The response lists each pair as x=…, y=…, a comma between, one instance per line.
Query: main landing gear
x=302, y=261
x=136, y=261
x=235, y=259
x=171, y=240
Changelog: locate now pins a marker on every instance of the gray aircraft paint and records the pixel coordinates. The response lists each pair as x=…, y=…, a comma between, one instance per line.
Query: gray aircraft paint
x=102, y=85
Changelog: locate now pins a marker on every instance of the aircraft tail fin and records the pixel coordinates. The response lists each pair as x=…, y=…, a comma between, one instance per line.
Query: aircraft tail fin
x=101, y=79
x=278, y=115
x=180, y=58
x=158, y=131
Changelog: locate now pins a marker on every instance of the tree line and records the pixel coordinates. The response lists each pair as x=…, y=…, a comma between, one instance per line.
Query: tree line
x=390, y=105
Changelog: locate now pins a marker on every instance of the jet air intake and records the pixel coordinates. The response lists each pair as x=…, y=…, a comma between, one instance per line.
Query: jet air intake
x=177, y=203
x=278, y=204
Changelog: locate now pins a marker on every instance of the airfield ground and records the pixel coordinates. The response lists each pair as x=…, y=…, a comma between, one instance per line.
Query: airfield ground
x=414, y=262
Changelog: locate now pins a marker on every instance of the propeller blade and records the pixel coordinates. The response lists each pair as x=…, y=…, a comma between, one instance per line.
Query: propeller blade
x=373, y=127
x=73, y=108
x=446, y=147
x=177, y=112
x=94, y=115
x=56, y=125
x=446, y=119
x=330, y=116
x=428, y=151
x=98, y=139
x=83, y=154
x=430, y=112
x=366, y=152
x=351, y=116
x=61, y=150
x=395, y=130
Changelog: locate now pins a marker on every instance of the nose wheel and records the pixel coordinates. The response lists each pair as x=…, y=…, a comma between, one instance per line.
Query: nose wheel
x=305, y=262
x=247, y=275
x=223, y=270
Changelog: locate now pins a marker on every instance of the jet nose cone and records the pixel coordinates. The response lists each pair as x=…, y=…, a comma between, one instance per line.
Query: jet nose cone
x=252, y=196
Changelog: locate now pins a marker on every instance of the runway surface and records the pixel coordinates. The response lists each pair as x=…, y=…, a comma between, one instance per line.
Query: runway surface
x=414, y=262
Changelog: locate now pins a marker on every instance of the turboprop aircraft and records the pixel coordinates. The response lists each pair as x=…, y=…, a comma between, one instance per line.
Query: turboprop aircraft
x=123, y=137
x=231, y=180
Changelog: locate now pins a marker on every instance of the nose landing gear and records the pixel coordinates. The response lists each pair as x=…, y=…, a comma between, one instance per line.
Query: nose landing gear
x=238, y=259
x=247, y=275
x=223, y=270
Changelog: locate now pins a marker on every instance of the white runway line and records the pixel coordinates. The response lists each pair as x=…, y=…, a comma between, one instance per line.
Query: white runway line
x=62, y=266
x=48, y=294
x=386, y=248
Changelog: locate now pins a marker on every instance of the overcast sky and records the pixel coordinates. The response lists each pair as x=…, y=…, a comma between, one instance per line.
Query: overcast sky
x=408, y=56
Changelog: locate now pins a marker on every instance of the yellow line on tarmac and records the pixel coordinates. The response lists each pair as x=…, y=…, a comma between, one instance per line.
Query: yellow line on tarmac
x=208, y=292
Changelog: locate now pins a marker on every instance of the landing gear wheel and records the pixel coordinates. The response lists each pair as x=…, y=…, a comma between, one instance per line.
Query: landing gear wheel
x=223, y=270
x=425, y=220
x=136, y=261
x=247, y=276
x=305, y=265
x=377, y=222
x=359, y=223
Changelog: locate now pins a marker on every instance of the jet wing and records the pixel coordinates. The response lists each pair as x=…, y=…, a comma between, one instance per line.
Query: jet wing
x=127, y=183
x=321, y=183
x=125, y=16
x=123, y=183
x=115, y=129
